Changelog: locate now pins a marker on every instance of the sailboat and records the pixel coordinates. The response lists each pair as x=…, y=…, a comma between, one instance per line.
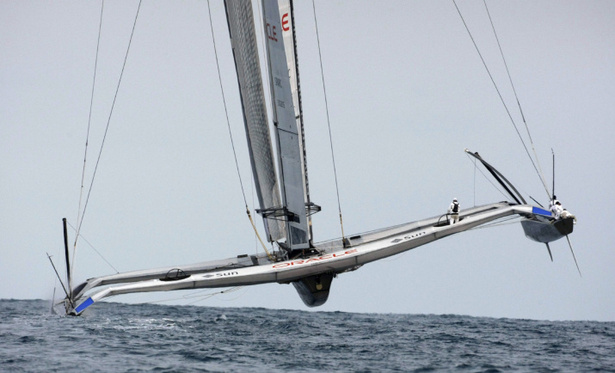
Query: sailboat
x=279, y=170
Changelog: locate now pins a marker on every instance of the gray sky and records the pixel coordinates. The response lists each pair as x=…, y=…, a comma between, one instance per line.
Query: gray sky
x=407, y=93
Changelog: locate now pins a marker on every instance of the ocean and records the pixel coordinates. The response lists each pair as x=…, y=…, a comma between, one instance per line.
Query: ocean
x=115, y=337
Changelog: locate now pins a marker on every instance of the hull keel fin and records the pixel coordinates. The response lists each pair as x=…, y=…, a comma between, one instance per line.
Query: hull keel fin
x=314, y=290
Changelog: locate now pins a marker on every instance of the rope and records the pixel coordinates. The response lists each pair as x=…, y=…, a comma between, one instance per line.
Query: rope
x=491, y=182
x=228, y=124
x=324, y=89
x=509, y=221
x=117, y=89
x=93, y=248
x=258, y=235
x=527, y=129
x=499, y=94
x=87, y=136
x=196, y=296
x=486, y=178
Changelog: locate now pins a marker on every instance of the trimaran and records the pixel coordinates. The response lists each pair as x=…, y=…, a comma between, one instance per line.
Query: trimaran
x=283, y=196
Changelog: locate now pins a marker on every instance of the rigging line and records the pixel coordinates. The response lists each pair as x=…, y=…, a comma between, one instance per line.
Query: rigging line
x=228, y=124
x=497, y=89
x=197, y=296
x=117, y=89
x=527, y=129
x=486, y=178
x=208, y=292
x=87, y=136
x=201, y=298
x=324, y=89
x=498, y=188
x=509, y=221
x=93, y=248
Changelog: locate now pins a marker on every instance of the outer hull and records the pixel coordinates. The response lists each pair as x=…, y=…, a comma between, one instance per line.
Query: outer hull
x=545, y=231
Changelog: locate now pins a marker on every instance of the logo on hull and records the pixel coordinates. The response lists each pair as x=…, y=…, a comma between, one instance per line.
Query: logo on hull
x=312, y=260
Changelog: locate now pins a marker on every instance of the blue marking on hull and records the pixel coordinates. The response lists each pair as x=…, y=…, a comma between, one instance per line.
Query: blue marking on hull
x=88, y=302
x=539, y=211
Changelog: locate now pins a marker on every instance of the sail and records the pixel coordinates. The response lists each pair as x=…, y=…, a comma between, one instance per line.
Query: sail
x=286, y=117
x=290, y=47
x=245, y=53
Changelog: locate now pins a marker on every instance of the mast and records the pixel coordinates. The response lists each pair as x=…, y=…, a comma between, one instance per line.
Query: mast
x=66, y=254
x=69, y=281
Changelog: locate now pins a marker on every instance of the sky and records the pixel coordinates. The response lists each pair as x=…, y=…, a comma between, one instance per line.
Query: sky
x=406, y=93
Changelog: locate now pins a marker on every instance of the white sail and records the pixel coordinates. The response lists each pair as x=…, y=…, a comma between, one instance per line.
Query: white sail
x=285, y=118
x=245, y=52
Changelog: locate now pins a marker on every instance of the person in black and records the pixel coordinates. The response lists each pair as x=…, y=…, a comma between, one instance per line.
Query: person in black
x=453, y=212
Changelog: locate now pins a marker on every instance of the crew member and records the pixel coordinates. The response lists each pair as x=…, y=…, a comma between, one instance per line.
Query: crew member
x=453, y=212
x=557, y=209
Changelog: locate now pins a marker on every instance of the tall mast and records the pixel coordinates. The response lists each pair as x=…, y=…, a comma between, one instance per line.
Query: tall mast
x=69, y=280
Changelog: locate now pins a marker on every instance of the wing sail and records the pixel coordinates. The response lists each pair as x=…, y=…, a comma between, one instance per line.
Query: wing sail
x=245, y=53
x=284, y=92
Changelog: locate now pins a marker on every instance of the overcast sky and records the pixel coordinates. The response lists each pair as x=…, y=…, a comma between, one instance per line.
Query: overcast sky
x=407, y=93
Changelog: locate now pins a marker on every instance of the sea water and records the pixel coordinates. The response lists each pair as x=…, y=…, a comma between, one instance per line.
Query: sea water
x=114, y=337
